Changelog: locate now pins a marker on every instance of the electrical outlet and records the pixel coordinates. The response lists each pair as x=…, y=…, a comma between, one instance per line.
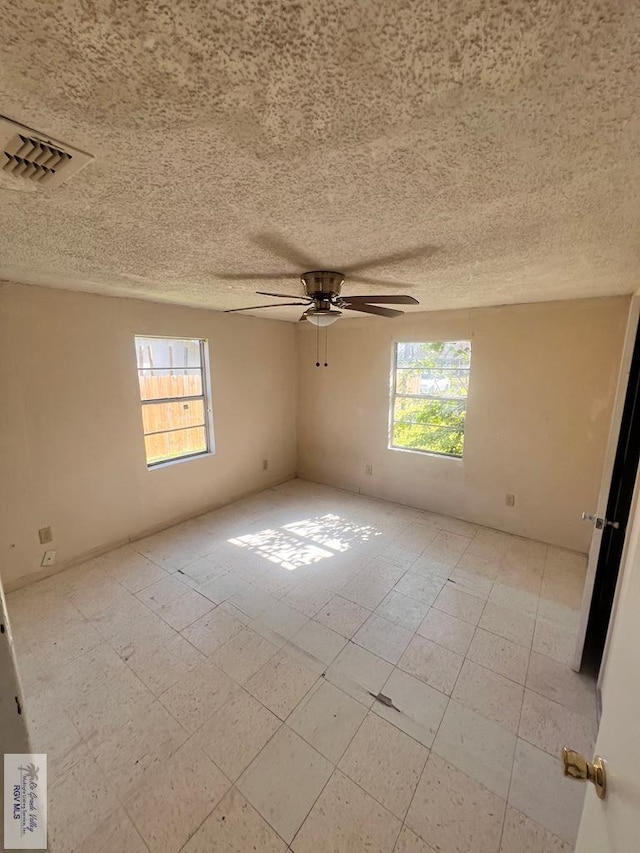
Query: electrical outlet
x=49, y=558
x=45, y=534
x=368, y=470
x=265, y=464
x=509, y=500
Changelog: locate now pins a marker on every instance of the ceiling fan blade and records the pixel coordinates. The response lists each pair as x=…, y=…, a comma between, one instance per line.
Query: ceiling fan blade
x=281, y=295
x=255, y=276
x=382, y=300
x=373, y=309
x=277, y=245
x=253, y=307
x=393, y=258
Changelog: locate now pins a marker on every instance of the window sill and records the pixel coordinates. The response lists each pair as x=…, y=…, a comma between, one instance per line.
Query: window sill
x=169, y=463
x=432, y=453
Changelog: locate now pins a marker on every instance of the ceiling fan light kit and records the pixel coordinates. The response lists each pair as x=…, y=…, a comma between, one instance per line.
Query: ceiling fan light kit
x=321, y=316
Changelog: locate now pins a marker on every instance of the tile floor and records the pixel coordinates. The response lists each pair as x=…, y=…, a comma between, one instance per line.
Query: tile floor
x=211, y=687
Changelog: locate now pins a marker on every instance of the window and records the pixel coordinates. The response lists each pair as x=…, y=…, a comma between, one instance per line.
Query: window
x=176, y=416
x=430, y=387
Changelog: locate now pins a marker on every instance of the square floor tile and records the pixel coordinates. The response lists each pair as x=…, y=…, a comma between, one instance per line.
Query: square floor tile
x=141, y=744
x=511, y=598
x=176, y=797
x=550, y=726
x=495, y=697
x=420, y=708
x=185, y=609
x=555, y=641
x=79, y=802
x=557, y=804
x=234, y=826
x=117, y=832
x=212, y=630
x=283, y=620
x=223, y=587
x=479, y=747
x=523, y=835
x=457, y=603
x=71, y=684
x=345, y=818
x=447, y=547
x=385, y=762
x=383, y=638
x=517, y=627
x=197, y=695
x=405, y=611
x=327, y=718
x=359, y=673
x=500, y=655
x=473, y=583
x=163, y=592
x=319, y=642
x=308, y=597
x=455, y=812
x=131, y=569
x=409, y=842
x=366, y=590
x=251, y=602
x=243, y=655
x=424, y=588
x=431, y=663
x=236, y=733
x=342, y=616
x=161, y=668
x=282, y=682
x=426, y=566
x=447, y=631
x=557, y=681
x=284, y=781
x=104, y=710
x=202, y=570
x=52, y=731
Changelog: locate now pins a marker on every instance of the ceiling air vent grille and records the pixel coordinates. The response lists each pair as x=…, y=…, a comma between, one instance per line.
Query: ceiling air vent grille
x=33, y=157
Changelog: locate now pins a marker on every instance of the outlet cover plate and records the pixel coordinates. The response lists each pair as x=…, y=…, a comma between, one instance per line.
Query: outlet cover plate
x=49, y=558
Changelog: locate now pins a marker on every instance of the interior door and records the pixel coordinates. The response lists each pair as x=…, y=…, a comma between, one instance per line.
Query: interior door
x=614, y=500
x=612, y=825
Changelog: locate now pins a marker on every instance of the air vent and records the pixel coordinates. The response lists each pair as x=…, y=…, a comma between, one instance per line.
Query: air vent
x=29, y=156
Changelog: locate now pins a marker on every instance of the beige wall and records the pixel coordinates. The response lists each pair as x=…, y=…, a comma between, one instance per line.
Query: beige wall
x=71, y=445
x=543, y=378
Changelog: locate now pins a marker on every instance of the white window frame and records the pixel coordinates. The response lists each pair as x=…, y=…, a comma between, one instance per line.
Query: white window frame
x=205, y=372
x=395, y=395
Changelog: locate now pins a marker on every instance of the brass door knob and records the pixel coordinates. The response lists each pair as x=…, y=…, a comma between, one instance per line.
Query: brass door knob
x=577, y=767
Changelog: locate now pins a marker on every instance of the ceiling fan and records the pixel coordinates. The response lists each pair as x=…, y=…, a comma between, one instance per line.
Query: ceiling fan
x=323, y=301
x=322, y=289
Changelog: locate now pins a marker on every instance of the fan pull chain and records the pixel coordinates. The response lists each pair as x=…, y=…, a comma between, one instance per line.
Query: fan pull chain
x=317, y=346
x=326, y=347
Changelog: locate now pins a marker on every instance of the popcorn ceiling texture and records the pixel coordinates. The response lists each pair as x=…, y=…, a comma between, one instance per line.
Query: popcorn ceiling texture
x=506, y=134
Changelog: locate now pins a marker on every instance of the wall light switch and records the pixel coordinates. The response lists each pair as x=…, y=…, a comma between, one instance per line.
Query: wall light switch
x=45, y=534
x=265, y=464
x=509, y=500
x=368, y=470
x=49, y=558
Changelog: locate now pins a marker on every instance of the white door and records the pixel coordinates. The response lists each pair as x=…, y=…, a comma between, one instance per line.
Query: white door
x=601, y=506
x=612, y=825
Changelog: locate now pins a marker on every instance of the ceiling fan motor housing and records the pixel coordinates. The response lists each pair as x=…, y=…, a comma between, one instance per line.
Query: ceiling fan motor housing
x=322, y=285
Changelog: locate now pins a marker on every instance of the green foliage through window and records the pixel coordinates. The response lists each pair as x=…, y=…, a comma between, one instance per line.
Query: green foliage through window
x=430, y=396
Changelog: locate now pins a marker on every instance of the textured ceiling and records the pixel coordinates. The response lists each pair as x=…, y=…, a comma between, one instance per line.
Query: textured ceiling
x=500, y=136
